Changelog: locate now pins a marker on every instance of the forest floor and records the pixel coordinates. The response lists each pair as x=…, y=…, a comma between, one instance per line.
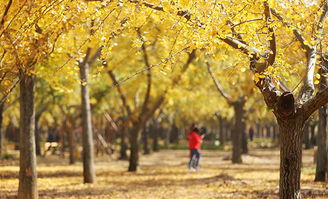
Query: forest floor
x=165, y=175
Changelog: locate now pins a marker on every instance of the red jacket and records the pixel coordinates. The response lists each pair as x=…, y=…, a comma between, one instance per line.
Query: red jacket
x=194, y=140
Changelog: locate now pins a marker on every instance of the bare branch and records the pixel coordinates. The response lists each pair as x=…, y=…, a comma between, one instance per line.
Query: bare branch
x=3, y=99
x=217, y=83
x=273, y=45
x=123, y=98
x=296, y=32
x=95, y=56
x=315, y=103
x=149, y=79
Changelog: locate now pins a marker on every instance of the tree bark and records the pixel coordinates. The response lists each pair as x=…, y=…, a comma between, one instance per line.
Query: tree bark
x=306, y=136
x=321, y=173
x=221, y=133
x=37, y=134
x=134, y=148
x=1, y=133
x=313, y=140
x=88, y=150
x=124, y=147
x=71, y=143
x=238, y=131
x=244, y=139
x=290, y=157
x=27, y=188
x=145, y=137
x=322, y=142
x=155, y=132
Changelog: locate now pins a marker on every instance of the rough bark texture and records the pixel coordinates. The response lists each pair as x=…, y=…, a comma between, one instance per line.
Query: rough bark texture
x=321, y=173
x=290, y=157
x=238, y=131
x=321, y=168
x=88, y=151
x=27, y=188
x=1, y=133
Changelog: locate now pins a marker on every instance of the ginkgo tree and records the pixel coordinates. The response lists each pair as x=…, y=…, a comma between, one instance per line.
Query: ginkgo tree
x=254, y=29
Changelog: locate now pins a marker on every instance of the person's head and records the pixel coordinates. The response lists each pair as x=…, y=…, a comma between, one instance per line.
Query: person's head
x=196, y=130
x=193, y=125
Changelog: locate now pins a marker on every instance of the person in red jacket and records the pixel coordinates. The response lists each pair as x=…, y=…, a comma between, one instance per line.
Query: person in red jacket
x=195, y=141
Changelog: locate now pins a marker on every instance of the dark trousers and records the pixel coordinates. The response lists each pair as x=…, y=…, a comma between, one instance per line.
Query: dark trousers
x=194, y=158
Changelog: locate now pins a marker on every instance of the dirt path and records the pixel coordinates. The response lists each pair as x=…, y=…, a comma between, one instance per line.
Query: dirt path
x=165, y=175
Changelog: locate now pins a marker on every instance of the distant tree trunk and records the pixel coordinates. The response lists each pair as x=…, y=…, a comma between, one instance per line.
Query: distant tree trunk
x=174, y=134
x=155, y=133
x=123, y=145
x=268, y=131
x=238, y=131
x=321, y=173
x=37, y=138
x=306, y=136
x=145, y=137
x=274, y=131
x=134, y=148
x=258, y=129
x=88, y=150
x=71, y=142
x=221, y=129
x=244, y=139
x=1, y=133
x=27, y=188
x=312, y=135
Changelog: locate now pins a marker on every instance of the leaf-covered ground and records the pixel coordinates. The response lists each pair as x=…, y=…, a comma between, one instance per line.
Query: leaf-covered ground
x=165, y=175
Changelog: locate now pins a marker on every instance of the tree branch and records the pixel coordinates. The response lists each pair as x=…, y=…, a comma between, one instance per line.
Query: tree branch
x=123, y=98
x=3, y=99
x=217, y=84
x=315, y=103
x=149, y=79
x=296, y=32
x=95, y=56
x=273, y=45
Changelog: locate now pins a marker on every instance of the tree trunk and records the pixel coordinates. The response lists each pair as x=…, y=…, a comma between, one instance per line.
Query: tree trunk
x=145, y=137
x=1, y=133
x=134, y=149
x=238, y=131
x=306, y=136
x=124, y=147
x=71, y=143
x=290, y=157
x=37, y=136
x=155, y=131
x=27, y=188
x=321, y=173
x=312, y=135
x=221, y=133
x=88, y=150
x=244, y=139
x=322, y=141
